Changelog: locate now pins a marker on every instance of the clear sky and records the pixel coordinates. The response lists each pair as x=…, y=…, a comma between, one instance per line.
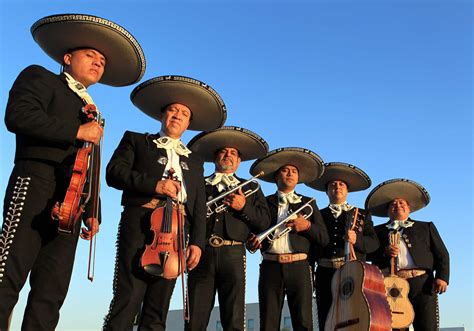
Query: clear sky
x=384, y=85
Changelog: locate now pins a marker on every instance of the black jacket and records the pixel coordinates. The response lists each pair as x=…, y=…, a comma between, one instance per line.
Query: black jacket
x=366, y=242
x=44, y=114
x=300, y=241
x=137, y=165
x=424, y=244
x=254, y=217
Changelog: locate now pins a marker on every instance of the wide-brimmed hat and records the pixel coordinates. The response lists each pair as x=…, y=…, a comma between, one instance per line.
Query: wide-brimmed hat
x=399, y=188
x=249, y=144
x=310, y=165
x=356, y=179
x=59, y=34
x=207, y=107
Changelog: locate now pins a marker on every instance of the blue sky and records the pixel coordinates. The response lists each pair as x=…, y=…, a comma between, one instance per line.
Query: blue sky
x=384, y=85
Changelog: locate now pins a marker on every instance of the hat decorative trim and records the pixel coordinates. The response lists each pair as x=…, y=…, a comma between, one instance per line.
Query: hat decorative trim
x=208, y=109
x=355, y=178
x=399, y=188
x=249, y=144
x=102, y=23
x=310, y=165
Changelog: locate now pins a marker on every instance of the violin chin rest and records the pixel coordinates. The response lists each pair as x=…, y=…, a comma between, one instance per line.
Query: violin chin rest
x=154, y=270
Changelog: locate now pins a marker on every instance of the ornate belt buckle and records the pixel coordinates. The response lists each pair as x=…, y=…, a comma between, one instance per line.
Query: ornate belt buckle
x=216, y=241
x=284, y=258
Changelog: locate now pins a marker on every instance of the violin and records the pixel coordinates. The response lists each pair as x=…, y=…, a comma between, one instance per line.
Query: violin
x=84, y=187
x=165, y=256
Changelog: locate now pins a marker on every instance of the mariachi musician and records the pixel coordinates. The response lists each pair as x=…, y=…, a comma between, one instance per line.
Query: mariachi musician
x=285, y=268
x=229, y=222
x=423, y=259
x=140, y=167
x=337, y=180
x=44, y=111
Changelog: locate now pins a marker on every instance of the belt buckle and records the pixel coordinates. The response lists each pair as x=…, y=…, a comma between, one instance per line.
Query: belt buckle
x=284, y=258
x=216, y=241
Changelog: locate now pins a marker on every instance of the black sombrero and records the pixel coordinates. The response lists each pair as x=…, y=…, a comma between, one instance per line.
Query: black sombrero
x=310, y=165
x=207, y=106
x=249, y=144
x=355, y=178
x=378, y=199
x=59, y=34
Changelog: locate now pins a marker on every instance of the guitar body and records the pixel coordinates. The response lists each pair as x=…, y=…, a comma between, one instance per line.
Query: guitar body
x=397, y=290
x=359, y=301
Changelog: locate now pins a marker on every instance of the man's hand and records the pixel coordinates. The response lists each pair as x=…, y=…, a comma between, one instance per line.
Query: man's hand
x=439, y=286
x=168, y=187
x=90, y=132
x=91, y=230
x=253, y=244
x=235, y=201
x=351, y=237
x=299, y=224
x=392, y=250
x=193, y=255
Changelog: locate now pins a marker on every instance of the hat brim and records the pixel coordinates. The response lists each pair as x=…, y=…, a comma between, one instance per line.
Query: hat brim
x=207, y=107
x=310, y=165
x=59, y=34
x=383, y=194
x=249, y=144
x=355, y=178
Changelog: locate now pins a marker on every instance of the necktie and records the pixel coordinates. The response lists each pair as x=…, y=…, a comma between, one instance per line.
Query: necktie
x=226, y=180
x=337, y=209
x=79, y=89
x=396, y=224
x=174, y=144
x=287, y=198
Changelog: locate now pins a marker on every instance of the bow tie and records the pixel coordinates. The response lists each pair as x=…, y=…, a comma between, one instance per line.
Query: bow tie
x=79, y=89
x=337, y=209
x=284, y=199
x=174, y=144
x=225, y=179
x=395, y=225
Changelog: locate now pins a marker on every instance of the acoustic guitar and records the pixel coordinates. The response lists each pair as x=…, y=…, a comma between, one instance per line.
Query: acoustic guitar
x=397, y=291
x=359, y=302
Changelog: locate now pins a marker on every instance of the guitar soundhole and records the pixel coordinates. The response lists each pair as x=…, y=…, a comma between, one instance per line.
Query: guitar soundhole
x=394, y=292
x=347, y=288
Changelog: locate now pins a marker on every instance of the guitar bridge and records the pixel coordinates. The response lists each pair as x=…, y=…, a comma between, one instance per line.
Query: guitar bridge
x=347, y=323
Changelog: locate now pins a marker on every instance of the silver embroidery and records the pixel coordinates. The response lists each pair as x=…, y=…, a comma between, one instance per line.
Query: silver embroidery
x=12, y=220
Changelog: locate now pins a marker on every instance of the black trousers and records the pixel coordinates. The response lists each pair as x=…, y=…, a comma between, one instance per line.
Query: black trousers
x=294, y=280
x=131, y=285
x=30, y=244
x=425, y=303
x=220, y=270
x=323, y=293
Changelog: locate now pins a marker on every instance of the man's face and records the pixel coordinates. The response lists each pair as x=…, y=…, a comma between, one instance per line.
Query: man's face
x=398, y=209
x=337, y=191
x=227, y=160
x=85, y=65
x=287, y=178
x=175, y=120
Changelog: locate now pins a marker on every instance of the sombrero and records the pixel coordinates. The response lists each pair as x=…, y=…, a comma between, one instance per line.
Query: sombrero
x=207, y=106
x=249, y=144
x=355, y=178
x=378, y=199
x=59, y=34
x=310, y=165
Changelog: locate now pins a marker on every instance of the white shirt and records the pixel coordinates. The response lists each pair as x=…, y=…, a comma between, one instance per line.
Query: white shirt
x=281, y=245
x=173, y=162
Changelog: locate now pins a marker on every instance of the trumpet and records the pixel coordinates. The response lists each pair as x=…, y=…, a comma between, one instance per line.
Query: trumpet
x=270, y=235
x=215, y=205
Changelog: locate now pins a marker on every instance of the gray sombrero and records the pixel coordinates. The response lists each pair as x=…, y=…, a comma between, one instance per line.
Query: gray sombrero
x=399, y=188
x=59, y=34
x=356, y=179
x=206, y=105
x=310, y=165
x=249, y=144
